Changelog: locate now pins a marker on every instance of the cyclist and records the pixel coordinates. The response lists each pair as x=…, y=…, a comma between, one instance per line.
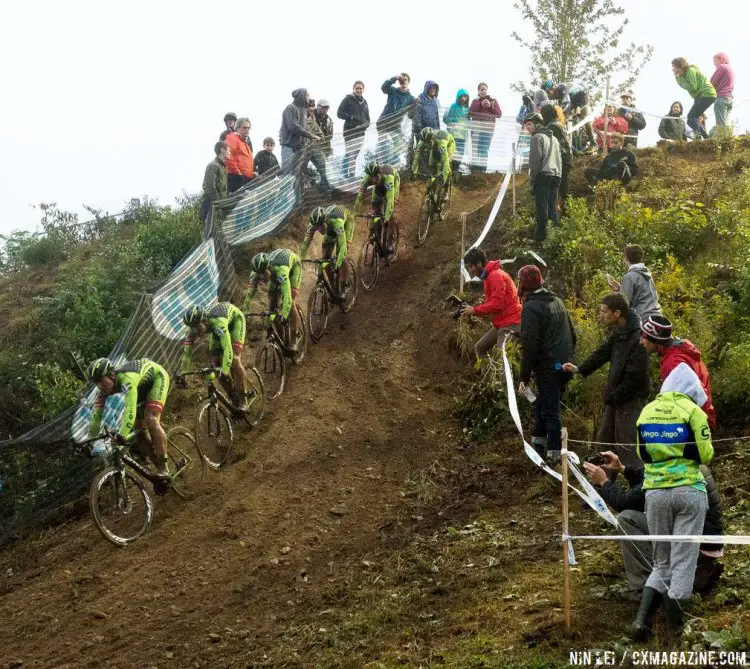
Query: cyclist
x=386, y=185
x=225, y=325
x=283, y=270
x=336, y=224
x=440, y=147
x=140, y=380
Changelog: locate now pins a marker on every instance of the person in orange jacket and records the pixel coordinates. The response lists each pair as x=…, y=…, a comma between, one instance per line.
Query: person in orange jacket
x=240, y=166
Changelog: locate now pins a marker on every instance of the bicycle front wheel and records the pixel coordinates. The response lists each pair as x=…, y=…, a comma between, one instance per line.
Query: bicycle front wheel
x=256, y=396
x=186, y=462
x=120, y=505
x=447, y=194
x=369, y=265
x=349, y=288
x=299, y=355
x=425, y=216
x=317, y=312
x=272, y=369
x=214, y=434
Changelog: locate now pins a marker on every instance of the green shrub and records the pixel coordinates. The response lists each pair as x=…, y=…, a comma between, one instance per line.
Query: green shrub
x=57, y=390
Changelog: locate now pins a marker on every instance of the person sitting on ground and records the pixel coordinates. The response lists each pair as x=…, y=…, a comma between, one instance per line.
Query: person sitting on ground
x=240, y=165
x=634, y=119
x=615, y=124
x=630, y=505
x=230, y=120
x=620, y=164
x=637, y=285
x=142, y=381
x=656, y=337
x=566, y=151
x=501, y=302
x=215, y=179
x=628, y=384
x=386, y=187
x=336, y=224
x=672, y=127
x=545, y=170
x=225, y=325
x=265, y=160
x=283, y=271
x=674, y=440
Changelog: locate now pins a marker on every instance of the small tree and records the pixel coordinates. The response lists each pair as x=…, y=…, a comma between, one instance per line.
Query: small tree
x=578, y=40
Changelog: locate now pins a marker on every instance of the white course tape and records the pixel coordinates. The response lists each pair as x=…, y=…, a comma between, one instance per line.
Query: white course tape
x=682, y=538
x=580, y=124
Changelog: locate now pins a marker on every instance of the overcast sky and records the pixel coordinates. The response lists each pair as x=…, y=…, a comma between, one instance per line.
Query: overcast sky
x=105, y=101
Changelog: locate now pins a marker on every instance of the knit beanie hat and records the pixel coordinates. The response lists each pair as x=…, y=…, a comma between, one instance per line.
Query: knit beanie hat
x=529, y=280
x=657, y=329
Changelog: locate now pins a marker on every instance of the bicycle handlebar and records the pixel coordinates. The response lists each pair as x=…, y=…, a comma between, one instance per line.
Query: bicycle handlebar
x=203, y=371
x=261, y=314
x=320, y=261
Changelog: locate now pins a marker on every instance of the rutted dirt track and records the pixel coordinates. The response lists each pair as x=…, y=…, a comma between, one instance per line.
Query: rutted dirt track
x=213, y=580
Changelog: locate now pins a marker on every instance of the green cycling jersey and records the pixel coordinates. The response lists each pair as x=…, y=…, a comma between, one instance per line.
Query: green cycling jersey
x=386, y=186
x=286, y=273
x=439, y=150
x=226, y=327
x=337, y=228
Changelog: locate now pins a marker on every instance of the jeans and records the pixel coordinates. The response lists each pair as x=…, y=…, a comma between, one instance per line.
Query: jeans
x=547, y=420
x=545, y=195
x=493, y=337
x=480, y=145
x=317, y=158
x=287, y=152
x=700, y=105
x=722, y=109
x=353, y=142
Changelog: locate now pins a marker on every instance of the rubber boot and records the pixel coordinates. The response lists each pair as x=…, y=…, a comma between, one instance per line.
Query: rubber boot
x=643, y=625
x=675, y=618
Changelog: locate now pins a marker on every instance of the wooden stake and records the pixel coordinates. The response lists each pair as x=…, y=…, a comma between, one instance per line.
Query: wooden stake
x=565, y=540
x=513, y=178
x=605, y=140
x=463, y=253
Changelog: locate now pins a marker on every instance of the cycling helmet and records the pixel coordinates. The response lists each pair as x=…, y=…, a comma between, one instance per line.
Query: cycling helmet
x=100, y=368
x=230, y=116
x=547, y=85
x=318, y=216
x=193, y=316
x=372, y=169
x=259, y=263
x=427, y=133
x=442, y=135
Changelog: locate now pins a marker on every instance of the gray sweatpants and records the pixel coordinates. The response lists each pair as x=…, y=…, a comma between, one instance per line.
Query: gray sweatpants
x=636, y=555
x=619, y=427
x=680, y=510
x=493, y=337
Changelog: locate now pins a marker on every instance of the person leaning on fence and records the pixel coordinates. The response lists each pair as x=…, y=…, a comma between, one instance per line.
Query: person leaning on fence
x=628, y=384
x=215, y=179
x=701, y=90
x=637, y=285
x=632, y=117
x=400, y=103
x=674, y=440
x=566, y=151
x=456, y=119
x=240, y=164
x=545, y=170
x=672, y=126
x=265, y=160
x=320, y=126
x=483, y=112
x=547, y=340
x=620, y=164
x=630, y=504
x=723, y=81
x=501, y=301
x=355, y=114
x=293, y=133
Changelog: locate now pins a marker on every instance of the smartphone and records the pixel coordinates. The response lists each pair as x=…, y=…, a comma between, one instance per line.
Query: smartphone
x=596, y=459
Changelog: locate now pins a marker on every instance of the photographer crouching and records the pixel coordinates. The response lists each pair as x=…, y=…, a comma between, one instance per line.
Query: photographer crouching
x=501, y=302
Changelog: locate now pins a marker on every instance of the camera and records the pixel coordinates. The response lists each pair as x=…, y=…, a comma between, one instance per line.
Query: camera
x=458, y=306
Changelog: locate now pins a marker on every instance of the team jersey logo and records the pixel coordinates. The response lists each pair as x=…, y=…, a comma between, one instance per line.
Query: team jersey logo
x=668, y=433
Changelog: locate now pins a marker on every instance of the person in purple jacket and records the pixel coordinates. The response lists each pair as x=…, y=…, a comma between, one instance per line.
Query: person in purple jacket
x=723, y=81
x=483, y=112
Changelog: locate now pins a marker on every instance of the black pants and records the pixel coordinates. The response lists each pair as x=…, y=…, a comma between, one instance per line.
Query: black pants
x=547, y=419
x=205, y=209
x=700, y=105
x=563, y=192
x=545, y=195
x=612, y=173
x=235, y=182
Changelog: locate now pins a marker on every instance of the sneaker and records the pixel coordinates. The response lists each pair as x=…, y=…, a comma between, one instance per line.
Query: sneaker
x=553, y=457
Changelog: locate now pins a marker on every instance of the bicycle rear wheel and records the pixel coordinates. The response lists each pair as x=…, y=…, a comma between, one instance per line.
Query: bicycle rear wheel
x=317, y=312
x=425, y=217
x=213, y=431
x=186, y=462
x=350, y=287
x=256, y=396
x=299, y=356
x=120, y=506
x=272, y=369
x=447, y=194
x=369, y=265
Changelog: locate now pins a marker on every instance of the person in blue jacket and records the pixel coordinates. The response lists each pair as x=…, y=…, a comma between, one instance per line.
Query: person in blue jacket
x=400, y=103
x=426, y=114
x=457, y=121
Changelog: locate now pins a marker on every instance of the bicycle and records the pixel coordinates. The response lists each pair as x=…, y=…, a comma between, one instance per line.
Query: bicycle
x=120, y=504
x=213, y=425
x=373, y=252
x=271, y=358
x=323, y=295
x=435, y=203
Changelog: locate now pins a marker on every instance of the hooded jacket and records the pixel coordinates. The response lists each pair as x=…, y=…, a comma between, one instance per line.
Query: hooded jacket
x=673, y=127
x=293, y=130
x=398, y=100
x=457, y=117
x=355, y=113
x=559, y=133
x=547, y=334
x=490, y=114
x=723, y=80
x=544, y=155
x=615, y=124
x=696, y=83
x=241, y=157
x=635, y=125
x=500, y=296
x=639, y=289
x=628, y=370
x=427, y=113
x=683, y=350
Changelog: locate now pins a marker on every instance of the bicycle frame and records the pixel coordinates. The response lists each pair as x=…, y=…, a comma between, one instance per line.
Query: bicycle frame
x=272, y=332
x=323, y=280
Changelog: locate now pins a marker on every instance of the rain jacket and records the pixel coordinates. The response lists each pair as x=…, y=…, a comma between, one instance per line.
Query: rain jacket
x=398, y=100
x=293, y=130
x=486, y=115
x=544, y=155
x=615, y=124
x=457, y=117
x=354, y=112
x=683, y=350
x=635, y=125
x=673, y=127
x=215, y=181
x=639, y=289
x=723, y=81
x=696, y=83
x=241, y=157
x=500, y=296
x=427, y=113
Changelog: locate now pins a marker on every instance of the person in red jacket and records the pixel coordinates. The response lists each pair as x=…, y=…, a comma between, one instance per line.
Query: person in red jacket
x=240, y=166
x=614, y=124
x=501, y=301
x=656, y=337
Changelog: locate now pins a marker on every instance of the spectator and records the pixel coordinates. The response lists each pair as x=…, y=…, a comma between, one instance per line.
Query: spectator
x=527, y=108
x=400, y=102
x=566, y=151
x=293, y=132
x=215, y=179
x=634, y=119
x=457, y=121
x=541, y=98
x=230, y=119
x=557, y=96
x=674, y=440
x=656, y=336
x=723, y=81
x=701, y=90
x=620, y=164
x=548, y=339
x=265, y=160
x=672, y=127
x=426, y=114
x=501, y=301
x=355, y=114
x=322, y=138
x=579, y=110
x=628, y=384
x=614, y=124
x=545, y=170
x=325, y=124
x=637, y=285
x=240, y=162
x=484, y=111
x=630, y=504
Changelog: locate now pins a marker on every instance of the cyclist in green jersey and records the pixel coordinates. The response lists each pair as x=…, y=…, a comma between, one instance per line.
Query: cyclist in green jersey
x=142, y=381
x=336, y=224
x=438, y=149
x=283, y=271
x=386, y=185
x=225, y=325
